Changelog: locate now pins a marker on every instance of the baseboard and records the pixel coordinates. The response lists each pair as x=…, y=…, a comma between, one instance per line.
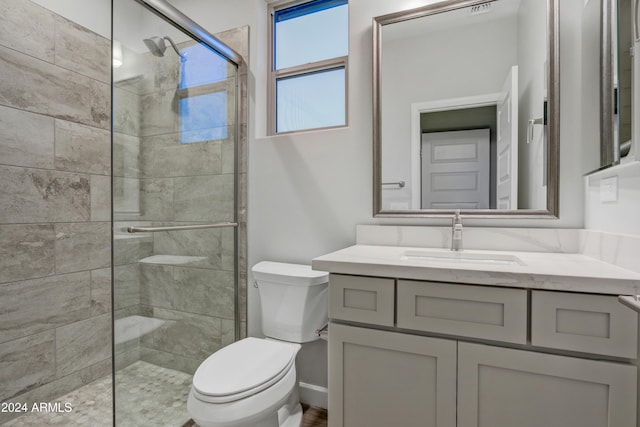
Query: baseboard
x=314, y=395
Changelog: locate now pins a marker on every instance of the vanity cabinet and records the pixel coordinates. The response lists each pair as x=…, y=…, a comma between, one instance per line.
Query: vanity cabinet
x=478, y=356
x=382, y=378
x=500, y=387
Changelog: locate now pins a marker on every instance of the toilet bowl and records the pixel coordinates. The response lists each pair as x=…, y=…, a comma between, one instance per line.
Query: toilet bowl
x=246, y=384
x=253, y=382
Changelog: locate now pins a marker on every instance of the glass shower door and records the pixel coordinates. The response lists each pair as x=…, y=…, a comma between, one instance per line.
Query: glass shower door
x=174, y=199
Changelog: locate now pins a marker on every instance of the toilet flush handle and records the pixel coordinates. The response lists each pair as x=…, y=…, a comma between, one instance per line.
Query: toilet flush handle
x=322, y=332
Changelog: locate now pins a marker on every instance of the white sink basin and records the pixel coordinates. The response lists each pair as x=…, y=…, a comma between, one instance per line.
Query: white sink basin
x=462, y=257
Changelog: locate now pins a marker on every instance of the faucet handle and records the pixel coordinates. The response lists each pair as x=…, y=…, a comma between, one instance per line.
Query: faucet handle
x=456, y=232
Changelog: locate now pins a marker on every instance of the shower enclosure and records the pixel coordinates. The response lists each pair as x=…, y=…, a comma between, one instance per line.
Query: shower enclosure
x=177, y=190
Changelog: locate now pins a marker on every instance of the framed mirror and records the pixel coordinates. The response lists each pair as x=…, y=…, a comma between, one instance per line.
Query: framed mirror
x=609, y=28
x=466, y=110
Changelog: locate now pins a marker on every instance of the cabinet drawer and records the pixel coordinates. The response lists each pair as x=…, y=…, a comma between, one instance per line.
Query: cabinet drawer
x=471, y=311
x=361, y=299
x=596, y=324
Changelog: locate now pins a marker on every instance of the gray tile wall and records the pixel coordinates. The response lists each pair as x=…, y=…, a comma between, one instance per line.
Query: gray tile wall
x=55, y=165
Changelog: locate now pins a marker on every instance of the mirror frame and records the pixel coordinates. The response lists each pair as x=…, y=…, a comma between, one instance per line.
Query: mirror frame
x=609, y=148
x=612, y=149
x=553, y=117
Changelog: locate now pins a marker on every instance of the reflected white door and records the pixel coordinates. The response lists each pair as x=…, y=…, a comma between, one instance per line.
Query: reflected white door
x=455, y=169
x=507, y=146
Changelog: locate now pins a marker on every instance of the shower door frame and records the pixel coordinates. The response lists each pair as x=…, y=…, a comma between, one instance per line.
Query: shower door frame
x=178, y=19
x=175, y=17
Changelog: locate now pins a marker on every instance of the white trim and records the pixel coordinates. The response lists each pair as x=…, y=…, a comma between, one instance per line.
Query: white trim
x=416, y=135
x=314, y=395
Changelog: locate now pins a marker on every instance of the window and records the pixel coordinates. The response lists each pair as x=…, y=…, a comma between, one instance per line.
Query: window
x=203, y=93
x=309, y=66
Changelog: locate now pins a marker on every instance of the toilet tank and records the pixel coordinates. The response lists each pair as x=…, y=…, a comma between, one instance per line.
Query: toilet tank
x=294, y=300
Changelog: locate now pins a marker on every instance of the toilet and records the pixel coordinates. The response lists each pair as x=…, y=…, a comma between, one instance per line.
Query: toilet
x=253, y=382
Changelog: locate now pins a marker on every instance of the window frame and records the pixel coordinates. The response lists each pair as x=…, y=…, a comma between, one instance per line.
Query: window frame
x=299, y=70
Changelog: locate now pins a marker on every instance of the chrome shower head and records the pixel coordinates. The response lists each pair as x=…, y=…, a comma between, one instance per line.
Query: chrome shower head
x=157, y=46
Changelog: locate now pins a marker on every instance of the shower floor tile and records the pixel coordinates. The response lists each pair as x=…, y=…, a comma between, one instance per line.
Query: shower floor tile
x=146, y=395
x=149, y=395
x=90, y=406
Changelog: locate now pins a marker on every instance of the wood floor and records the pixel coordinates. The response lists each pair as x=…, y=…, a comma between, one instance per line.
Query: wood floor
x=312, y=417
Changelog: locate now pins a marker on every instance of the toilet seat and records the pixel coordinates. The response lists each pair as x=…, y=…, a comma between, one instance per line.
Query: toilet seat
x=243, y=369
x=244, y=412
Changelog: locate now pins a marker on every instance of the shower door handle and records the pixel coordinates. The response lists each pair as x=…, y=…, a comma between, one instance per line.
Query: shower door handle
x=636, y=23
x=180, y=227
x=530, y=125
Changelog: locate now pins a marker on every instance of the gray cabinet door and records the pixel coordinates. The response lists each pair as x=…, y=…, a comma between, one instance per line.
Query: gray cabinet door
x=382, y=379
x=499, y=387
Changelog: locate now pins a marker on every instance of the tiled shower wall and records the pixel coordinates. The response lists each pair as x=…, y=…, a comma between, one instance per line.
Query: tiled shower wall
x=177, y=288
x=55, y=204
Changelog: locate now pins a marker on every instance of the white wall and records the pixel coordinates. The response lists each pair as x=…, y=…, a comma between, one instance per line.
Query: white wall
x=308, y=191
x=615, y=216
x=532, y=52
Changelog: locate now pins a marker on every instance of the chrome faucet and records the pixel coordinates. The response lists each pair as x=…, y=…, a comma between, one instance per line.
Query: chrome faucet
x=456, y=232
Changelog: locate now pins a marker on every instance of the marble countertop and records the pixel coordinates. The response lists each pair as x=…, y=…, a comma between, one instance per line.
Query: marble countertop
x=570, y=272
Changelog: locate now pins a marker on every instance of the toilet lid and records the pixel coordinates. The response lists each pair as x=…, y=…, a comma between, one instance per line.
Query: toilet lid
x=291, y=274
x=243, y=368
